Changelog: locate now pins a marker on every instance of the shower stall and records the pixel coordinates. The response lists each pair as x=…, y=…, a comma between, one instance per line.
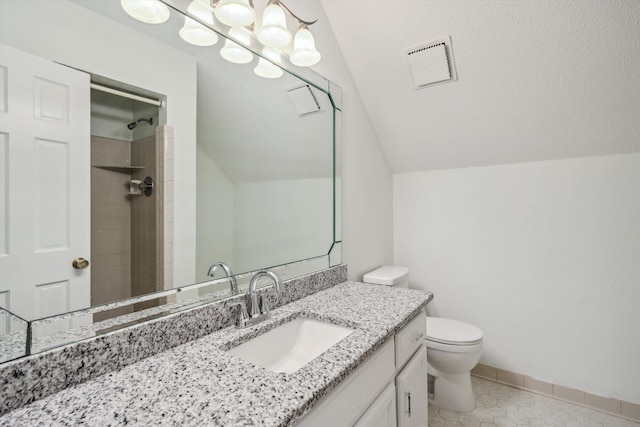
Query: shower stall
x=127, y=201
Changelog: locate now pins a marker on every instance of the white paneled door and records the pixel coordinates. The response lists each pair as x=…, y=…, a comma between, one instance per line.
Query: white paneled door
x=44, y=185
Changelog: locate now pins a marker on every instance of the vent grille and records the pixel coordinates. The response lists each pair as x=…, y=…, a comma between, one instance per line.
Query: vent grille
x=431, y=63
x=304, y=100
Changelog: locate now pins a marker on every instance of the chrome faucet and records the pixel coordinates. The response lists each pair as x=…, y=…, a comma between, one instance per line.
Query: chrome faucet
x=250, y=312
x=227, y=270
x=254, y=309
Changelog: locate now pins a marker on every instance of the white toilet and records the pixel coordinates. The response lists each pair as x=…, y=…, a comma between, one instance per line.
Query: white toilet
x=453, y=349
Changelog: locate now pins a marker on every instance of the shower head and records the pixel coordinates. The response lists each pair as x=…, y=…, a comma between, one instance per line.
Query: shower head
x=133, y=125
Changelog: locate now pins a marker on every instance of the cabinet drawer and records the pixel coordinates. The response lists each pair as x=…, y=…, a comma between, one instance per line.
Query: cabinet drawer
x=410, y=338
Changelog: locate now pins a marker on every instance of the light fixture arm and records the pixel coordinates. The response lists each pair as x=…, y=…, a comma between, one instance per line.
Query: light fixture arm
x=213, y=3
x=301, y=21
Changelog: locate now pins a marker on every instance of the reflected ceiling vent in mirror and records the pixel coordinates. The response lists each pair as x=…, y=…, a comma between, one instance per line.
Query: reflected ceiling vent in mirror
x=304, y=100
x=431, y=63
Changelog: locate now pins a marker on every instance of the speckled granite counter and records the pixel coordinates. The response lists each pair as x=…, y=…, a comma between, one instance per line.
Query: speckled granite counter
x=198, y=383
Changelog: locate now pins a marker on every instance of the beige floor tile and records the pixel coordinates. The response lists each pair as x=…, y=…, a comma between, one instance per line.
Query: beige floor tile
x=500, y=405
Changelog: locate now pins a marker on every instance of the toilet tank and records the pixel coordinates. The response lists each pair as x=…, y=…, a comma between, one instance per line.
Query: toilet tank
x=390, y=275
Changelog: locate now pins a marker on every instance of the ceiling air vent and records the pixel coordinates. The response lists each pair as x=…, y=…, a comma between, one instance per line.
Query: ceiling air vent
x=303, y=99
x=431, y=63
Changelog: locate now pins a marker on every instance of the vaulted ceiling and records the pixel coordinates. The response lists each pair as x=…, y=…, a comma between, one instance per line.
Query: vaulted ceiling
x=537, y=79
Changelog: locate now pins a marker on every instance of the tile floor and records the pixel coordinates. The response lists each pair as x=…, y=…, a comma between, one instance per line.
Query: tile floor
x=500, y=405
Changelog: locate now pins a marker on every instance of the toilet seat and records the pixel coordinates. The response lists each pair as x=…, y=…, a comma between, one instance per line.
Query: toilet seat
x=449, y=348
x=452, y=332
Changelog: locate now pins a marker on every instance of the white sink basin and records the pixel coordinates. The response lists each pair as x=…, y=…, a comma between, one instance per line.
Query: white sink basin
x=289, y=347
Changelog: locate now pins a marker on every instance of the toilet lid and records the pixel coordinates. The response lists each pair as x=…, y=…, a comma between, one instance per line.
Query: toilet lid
x=454, y=332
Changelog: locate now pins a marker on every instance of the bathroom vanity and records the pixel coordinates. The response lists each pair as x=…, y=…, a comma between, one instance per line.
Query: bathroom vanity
x=389, y=389
x=355, y=382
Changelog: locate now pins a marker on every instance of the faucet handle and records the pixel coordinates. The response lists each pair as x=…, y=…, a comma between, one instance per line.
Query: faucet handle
x=264, y=305
x=243, y=315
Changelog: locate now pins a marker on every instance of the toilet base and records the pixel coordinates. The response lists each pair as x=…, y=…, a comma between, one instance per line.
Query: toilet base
x=452, y=391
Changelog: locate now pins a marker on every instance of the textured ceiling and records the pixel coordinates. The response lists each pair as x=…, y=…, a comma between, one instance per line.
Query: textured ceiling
x=537, y=79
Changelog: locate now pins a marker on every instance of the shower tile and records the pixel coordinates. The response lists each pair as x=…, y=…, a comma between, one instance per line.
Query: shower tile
x=106, y=248
x=169, y=212
x=169, y=192
x=168, y=232
x=168, y=148
x=168, y=273
x=106, y=261
x=169, y=171
x=168, y=256
x=100, y=224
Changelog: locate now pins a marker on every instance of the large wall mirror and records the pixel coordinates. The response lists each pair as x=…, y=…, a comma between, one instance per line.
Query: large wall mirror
x=208, y=163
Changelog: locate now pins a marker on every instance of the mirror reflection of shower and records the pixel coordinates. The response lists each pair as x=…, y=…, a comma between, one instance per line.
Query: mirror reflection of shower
x=133, y=125
x=126, y=245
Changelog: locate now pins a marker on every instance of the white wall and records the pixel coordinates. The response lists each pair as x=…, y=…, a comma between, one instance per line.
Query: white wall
x=214, y=215
x=367, y=183
x=280, y=221
x=67, y=33
x=543, y=257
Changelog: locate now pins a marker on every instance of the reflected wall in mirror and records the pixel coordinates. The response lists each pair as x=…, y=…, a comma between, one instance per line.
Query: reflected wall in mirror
x=243, y=167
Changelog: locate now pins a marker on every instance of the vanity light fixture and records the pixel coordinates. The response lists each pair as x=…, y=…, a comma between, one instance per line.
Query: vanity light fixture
x=235, y=13
x=267, y=69
x=273, y=32
x=240, y=16
x=232, y=51
x=304, y=48
x=148, y=11
x=197, y=34
x=202, y=10
x=194, y=32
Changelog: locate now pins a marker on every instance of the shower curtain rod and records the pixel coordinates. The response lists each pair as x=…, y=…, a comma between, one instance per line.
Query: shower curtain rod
x=127, y=95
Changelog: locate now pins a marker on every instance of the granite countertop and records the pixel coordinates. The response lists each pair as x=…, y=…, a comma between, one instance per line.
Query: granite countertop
x=198, y=383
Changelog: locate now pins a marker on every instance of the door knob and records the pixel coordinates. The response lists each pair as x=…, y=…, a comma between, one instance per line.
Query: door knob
x=80, y=263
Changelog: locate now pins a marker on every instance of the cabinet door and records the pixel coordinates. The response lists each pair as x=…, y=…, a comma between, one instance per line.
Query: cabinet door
x=346, y=403
x=411, y=391
x=382, y=412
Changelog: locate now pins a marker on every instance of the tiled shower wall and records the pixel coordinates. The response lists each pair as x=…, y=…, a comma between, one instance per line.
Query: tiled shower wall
x=110, y=219
x=131, y=235
x=164, y=213
x=152, y=217
x=143, y=218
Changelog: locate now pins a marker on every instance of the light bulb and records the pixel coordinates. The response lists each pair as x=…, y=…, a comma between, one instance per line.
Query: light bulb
x=201, y=10
x=304, y=49
x=267, y=69
x=274, y=32
x=197, y=34
x=148, y=11
x=232, y=51
x=235, y=13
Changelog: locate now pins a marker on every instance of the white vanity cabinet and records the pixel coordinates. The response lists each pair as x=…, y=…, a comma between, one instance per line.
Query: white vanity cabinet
x=411, y=391
x=388, y=390
x=411, y=380
x=382, y=412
